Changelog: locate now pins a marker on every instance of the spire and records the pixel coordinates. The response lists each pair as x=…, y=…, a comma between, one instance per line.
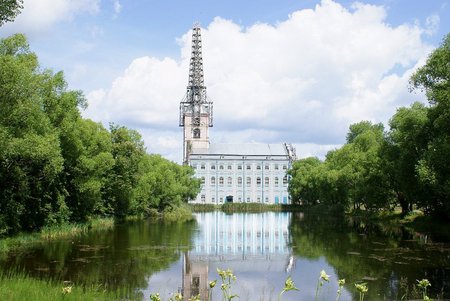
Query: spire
x=195, y=103
x=196, y=65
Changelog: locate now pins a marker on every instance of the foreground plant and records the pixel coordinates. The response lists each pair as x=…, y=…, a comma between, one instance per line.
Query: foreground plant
x=288, y=286
x=341, y=283
x=423, y=284
x=362, y=289
x=322, y=278
x=176, y=297
x=155, y=297
x=227, y=277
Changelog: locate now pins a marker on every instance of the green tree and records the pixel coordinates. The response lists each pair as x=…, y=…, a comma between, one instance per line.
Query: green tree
x=404, y=148
x=30, y=157
x=163, y=185
x=304, y=184
x=434, y=168
x=354, y=174
x=9, y=9
x=128, y=152
x=88, y=162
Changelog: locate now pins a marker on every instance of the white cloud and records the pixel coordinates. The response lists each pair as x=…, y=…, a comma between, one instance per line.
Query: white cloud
x=303, y=80
x=117, y=8
x=39, y=15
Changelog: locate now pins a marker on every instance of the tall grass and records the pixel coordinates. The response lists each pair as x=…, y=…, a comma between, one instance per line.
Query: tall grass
x=19, y=287
x=54, y=232
x=257, y=207
x=181, y=213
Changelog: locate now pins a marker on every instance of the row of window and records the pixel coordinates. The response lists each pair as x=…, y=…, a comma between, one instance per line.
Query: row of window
x=239, y=166
x=240, y=200
x=248, y=181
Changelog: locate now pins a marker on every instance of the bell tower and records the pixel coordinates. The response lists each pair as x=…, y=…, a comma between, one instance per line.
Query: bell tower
x=196, y=111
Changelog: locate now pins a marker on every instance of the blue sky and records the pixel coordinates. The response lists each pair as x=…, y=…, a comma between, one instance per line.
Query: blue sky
x=296, y=71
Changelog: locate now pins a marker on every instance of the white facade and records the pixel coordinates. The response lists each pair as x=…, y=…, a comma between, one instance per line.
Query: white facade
x=242, y=173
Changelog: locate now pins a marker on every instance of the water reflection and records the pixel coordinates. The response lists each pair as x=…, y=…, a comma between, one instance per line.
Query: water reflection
x=195, y=278
x=235, y=241
x=262, y=250
x=242, y=235
x=256, y=247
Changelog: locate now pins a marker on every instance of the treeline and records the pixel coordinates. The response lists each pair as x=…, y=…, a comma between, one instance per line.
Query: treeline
x=407, y=165
x=57, y=167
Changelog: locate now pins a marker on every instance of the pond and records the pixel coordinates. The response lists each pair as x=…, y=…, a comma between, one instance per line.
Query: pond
x=262, y=250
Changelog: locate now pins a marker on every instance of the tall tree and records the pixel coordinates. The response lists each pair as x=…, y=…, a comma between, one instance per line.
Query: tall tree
x=30, y=157
x=128, y=151
x=434, y=168
x=304, y=186
x=9, y=9
x=404, y=148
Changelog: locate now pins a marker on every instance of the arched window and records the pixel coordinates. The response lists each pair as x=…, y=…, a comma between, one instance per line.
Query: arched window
x=258, y=181
x=213, y=180
x=203, y=180
x=196, y=132
x=221, y=180
x=276, y=180
x=229, y=181
x=240, y=181
x=266, y=181
x=249, y=181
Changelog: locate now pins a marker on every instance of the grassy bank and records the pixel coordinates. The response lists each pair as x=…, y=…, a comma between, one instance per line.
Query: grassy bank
x=54, y=232
x=18, y=287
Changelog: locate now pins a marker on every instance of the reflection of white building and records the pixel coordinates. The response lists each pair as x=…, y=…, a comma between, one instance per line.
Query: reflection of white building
x=229, y=172
x=242, y=236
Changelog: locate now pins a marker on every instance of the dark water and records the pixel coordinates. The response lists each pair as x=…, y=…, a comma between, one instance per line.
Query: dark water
x=262, y=250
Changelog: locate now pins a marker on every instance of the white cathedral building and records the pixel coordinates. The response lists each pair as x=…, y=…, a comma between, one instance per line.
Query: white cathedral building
x=249, y=172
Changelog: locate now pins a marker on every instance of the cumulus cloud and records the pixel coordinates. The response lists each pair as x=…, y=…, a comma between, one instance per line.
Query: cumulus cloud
x=39, y=15
x=117, y=8
x=303, y=80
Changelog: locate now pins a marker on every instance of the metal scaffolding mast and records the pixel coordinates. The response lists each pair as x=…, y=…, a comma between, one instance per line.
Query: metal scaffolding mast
x=195, y=103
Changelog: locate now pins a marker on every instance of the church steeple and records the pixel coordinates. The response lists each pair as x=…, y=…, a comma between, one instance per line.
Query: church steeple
x=195, y=109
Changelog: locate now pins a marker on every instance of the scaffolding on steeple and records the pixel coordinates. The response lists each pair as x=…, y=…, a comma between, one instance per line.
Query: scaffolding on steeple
x=195, y=103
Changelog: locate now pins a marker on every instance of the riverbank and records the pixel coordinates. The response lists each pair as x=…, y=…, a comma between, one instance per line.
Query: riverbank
x=19, y=287
x=54, y=232
x=23, y=240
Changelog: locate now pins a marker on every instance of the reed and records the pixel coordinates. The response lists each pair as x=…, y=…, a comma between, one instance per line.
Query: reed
x=19, y=287
x=54, y=232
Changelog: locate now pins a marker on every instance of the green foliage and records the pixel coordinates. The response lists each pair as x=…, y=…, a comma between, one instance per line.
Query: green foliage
x=407, y=166
x=56, y=167
x=30, y=156
x=163, y=185
x=305, y=180
x=351, y=175
x=433, y=168
x=9, y=9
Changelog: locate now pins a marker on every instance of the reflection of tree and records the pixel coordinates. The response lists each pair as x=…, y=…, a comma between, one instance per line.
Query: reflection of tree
x=381, y=255
x=121, y=259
